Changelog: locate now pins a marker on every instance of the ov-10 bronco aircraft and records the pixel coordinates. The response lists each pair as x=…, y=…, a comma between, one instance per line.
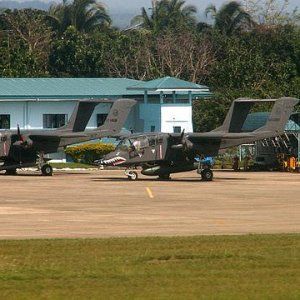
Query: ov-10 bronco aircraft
x=26, y=149
x=161, y=154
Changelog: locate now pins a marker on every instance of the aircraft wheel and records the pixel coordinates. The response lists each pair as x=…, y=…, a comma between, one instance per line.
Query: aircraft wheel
x=11, y=172
x=164, y=177
x=132, y=175
x=207, y=175
x=47, y=170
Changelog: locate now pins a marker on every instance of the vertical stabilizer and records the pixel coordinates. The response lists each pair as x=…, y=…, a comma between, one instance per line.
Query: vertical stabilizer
x=117, y=116
x=279, y=115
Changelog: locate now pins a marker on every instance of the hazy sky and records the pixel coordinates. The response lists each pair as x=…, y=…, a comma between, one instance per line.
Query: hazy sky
x=137, y=4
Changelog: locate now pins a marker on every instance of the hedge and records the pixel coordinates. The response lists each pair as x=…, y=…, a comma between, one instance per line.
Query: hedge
x=88, y=153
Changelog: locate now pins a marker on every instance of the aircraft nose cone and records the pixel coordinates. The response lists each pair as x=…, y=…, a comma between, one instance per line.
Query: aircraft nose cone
x=99, y=162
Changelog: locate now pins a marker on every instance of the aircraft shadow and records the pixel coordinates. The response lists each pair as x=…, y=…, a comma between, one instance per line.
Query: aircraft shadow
x=40, y=175
x=109, y=179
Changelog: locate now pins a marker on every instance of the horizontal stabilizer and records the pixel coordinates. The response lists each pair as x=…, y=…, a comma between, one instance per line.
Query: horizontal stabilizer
x=117, y=116
x=240, y=109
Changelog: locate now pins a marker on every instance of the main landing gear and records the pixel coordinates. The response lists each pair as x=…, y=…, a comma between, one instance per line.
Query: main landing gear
x=47, y=170
x=207, y=175
x=164, y=177
x=11, y=172
x=43, y=166
x=205, y=172
x=131, y=175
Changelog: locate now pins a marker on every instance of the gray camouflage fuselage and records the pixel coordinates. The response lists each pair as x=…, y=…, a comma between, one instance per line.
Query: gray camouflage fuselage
x=162, y=153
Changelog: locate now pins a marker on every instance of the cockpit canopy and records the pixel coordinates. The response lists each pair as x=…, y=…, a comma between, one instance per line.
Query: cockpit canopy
x=138, y=143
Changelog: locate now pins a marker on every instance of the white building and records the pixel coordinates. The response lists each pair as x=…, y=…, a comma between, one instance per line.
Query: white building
x=43, y=103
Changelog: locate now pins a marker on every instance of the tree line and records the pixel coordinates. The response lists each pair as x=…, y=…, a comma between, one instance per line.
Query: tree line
x=249, y=49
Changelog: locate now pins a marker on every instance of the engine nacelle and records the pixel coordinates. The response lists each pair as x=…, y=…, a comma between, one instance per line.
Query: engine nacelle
x=163, y=170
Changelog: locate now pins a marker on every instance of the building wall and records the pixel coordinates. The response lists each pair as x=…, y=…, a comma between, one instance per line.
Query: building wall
x=150, y=114
x=29, y=115
x=37, y=109
x=16, y=110
x=176, y=115
x=142, y=118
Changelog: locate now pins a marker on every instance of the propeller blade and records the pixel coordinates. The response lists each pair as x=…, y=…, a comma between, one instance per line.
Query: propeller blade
x=182, y=134
x=19, y=133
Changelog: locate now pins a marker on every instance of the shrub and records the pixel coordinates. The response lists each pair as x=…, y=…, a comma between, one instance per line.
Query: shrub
x=88, y=153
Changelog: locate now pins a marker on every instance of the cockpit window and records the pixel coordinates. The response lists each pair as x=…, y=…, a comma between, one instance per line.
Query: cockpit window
x=124, y=145
x=138, y=144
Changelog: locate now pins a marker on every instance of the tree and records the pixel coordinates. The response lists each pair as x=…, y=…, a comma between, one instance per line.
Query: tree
x=131, y=55
x=83, y=15
x=231, y=18
x=167, y=15
x=175, y=60
x=271, y=12
x=25, y=43
x=77, y=54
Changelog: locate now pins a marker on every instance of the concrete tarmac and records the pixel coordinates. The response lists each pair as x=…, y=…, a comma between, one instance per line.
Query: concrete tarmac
x=90, y=204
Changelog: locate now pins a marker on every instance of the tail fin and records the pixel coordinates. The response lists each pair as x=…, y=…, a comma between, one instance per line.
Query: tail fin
x=279, y=115
x=81, y=115
x=240, y=109
x=117, y=116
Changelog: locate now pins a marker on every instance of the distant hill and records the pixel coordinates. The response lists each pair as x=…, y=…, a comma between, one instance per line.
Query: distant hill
x=26, y=4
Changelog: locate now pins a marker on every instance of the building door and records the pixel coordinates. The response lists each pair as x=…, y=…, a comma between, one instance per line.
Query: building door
x=177, y=129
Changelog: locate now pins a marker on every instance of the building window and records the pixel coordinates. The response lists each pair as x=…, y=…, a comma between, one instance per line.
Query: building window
x=101, y=119
x=54, y=120
x=182, y=100
x=153, y=99
x=152, y=128
x=4, y=121
x=177, y=129
x=168, y=99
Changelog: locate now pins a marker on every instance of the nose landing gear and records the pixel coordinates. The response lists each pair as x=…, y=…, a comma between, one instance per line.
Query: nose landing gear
x=131, y=175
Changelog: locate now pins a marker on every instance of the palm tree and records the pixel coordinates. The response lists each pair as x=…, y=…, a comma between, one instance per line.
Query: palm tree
x=167, y=14
x=230, y=18
x=84, y=15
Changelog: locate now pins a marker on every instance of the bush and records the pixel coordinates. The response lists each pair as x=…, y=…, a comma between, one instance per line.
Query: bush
x=88, y=153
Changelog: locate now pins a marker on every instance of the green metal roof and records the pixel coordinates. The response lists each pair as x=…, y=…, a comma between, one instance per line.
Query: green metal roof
x=169, y=83
x=65, y=88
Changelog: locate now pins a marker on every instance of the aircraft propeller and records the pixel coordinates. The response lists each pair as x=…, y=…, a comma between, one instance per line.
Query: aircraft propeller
x=184, y=144
x=20, y=137
x=22, y=141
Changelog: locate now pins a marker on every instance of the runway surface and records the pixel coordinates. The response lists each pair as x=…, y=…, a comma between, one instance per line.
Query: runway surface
x=105, y=204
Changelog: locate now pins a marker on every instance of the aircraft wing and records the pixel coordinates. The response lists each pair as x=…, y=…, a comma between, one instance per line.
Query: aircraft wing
x=55, y=136
x=218, y=136
x=214, y=136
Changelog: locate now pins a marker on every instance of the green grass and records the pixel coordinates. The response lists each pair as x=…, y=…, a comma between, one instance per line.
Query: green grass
x=215, y=267
x=71, y=166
